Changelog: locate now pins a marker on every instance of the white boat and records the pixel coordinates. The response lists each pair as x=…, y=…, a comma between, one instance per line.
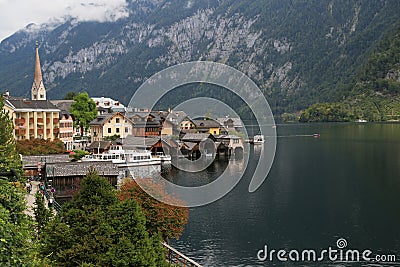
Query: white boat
x=258, y=139
x=361, y=120
x=126, y=158
x=162, y=157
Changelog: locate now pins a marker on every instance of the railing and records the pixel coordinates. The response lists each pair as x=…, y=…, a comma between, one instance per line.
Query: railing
x=20, y=121
x=175, y=257
x=20, y=132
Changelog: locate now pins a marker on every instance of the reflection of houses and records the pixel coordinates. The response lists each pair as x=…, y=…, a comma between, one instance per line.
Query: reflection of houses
x=110, y=125
x=66, y=177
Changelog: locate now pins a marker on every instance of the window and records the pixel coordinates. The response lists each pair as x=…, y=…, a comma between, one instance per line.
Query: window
x=117, y=120
x=41, y=96
x=117, y=130
x=109, y=130
x=126, y=130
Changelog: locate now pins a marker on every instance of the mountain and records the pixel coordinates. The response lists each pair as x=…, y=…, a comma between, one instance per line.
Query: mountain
x=299, y=52
x=374, y=92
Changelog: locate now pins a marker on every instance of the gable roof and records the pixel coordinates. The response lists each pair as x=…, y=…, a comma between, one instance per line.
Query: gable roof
x=102, y=119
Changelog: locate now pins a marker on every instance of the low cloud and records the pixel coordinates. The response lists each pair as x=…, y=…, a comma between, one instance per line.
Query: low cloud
x=16, y=14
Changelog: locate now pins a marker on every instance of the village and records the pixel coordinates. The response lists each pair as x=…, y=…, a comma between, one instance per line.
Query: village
x=153, y=137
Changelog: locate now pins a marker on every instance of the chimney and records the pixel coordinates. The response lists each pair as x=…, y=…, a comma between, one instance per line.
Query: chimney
x=7, y=94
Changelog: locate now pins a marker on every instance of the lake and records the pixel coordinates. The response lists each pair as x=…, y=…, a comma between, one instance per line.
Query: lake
x=344, y=184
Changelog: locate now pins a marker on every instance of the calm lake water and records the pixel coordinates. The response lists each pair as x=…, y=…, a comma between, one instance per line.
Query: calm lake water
x=345, y=184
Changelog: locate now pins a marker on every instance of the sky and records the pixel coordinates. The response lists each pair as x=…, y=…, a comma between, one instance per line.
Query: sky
x=16, y=14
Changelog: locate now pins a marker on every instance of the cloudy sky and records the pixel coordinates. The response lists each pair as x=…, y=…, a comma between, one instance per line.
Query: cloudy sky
x=16, y=14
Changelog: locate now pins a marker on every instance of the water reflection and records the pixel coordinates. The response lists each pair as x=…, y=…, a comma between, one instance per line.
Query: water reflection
x=344, y=184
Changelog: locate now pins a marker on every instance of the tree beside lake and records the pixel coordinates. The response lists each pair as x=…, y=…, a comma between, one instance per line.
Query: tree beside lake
x=96, y=228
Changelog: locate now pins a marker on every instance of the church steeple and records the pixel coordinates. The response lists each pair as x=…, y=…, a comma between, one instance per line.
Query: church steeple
x=38, y=90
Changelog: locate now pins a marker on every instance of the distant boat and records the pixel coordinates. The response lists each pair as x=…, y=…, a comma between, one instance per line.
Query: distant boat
x=361, y=121
x=316, y=135
x=258, y=139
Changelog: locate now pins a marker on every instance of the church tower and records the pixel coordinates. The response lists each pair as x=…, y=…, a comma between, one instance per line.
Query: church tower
x=38, y=90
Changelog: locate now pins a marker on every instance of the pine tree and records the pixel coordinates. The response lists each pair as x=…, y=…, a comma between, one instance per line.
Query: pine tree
x=9, y=157
x=97, y=229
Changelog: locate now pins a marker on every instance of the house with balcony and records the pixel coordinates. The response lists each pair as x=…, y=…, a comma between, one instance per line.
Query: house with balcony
x=67, y=129
x=146, y=123
x=34, y=119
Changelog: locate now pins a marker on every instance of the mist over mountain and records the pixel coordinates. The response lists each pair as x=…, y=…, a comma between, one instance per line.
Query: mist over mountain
x=298, y=52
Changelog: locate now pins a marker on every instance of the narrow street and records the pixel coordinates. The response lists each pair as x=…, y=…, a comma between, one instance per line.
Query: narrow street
x=30, y=198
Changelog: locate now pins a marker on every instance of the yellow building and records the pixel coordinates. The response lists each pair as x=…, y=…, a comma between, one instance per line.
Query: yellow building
x=207, y=126
x=34, y=119
x=109, y=125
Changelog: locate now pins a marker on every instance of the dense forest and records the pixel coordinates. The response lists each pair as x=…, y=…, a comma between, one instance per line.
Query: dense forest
x=373, y=95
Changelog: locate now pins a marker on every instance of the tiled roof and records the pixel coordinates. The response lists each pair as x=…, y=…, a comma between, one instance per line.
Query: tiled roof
x=32, y=161
x=95, y=145
x=32, y=104
x=62, y=104
x=104, y=168
x=189, y=145
x=206, y=124
x=135, y=142
x=237, y=122
x=100, y=119
x=196, y=137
